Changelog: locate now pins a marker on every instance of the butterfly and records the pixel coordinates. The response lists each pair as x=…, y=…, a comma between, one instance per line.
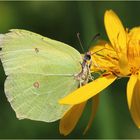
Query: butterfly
x=40, y=71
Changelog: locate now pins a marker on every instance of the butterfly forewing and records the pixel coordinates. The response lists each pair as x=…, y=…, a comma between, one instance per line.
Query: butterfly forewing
x=40, y=71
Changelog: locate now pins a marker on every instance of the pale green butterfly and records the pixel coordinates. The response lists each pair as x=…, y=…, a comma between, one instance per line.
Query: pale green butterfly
x=40, y=71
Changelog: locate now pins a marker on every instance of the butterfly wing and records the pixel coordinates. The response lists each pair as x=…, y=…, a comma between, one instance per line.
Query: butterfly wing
x=40, y=71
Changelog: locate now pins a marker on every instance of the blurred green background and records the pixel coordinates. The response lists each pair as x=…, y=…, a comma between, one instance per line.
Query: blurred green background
x=61, y=21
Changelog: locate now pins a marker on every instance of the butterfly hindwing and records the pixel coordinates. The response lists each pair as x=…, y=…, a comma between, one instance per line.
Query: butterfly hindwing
x=36, y=97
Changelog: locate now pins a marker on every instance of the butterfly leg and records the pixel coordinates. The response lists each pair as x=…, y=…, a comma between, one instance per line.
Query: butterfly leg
x=90, y=77
x=81, y=83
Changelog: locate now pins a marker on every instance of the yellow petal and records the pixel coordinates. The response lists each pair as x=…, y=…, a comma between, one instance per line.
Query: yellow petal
x=133, y=96
x=70, y=118
x=130, y=88
x=134, y=47
x=123, y=64
x=93, y=113
x=115, y=31
x=87, y=91
x=117, y=37
x=134, y=33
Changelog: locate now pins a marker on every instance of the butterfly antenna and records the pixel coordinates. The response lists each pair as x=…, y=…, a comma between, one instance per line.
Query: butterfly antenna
x=80, y=42
x=95, y=37
x=97, y=51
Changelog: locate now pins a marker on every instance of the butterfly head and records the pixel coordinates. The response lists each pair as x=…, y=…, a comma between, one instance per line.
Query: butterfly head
x=87, y=56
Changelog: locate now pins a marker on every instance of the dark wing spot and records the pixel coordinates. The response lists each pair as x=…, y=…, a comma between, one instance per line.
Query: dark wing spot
x=36, y=50
x=36, y=84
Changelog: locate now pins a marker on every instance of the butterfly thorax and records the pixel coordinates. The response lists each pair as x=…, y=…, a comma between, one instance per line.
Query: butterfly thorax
x=84, y=76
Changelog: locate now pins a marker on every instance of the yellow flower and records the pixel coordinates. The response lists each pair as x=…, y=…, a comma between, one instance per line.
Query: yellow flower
x=122, y=58
x=71, y=117
x=119, y=58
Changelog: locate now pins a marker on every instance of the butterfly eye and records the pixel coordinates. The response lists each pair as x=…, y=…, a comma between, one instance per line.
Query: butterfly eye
x=87, y=57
